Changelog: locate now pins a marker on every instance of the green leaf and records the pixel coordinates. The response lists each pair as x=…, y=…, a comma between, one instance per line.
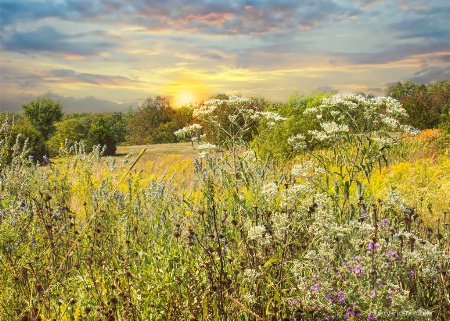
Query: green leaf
x=271, y=261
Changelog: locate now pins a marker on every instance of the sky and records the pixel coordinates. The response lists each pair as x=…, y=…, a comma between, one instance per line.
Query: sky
x=108, y=55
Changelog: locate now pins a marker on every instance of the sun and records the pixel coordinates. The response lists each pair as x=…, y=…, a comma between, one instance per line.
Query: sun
x=185, y=97
x=186, y=91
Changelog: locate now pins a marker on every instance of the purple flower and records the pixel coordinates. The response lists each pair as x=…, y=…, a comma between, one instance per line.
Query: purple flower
x=346, y=265
x=373, y=247
x=314, y=289
x=349, y=313
x=371, y=316
x=374, y=294
x=392, y=255
x=358, y=270
x=341, y=297
x=331, y=297
x=411, y=274
x=294, y=302
x=390, y=296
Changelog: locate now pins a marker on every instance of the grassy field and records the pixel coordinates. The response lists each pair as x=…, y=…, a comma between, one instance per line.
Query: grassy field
x=158, y=150
x=178, y=237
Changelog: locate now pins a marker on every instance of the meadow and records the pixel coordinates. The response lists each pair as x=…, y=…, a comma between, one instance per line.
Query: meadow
x=354, y=230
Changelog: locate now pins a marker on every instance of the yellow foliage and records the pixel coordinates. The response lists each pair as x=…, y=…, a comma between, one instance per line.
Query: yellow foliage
x=424, y=184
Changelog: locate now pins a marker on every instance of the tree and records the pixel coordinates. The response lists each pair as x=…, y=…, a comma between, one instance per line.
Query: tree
x=102, y=134
x=42, y=114
x=426, y=105
x=69, y=131
x=19, y=137
x=143, y=124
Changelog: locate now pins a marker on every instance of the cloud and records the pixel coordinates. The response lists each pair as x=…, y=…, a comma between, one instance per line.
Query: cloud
x=71, y=76
x=88, y=104
x=47, y=39
x=430, y=74
x=326, y=89
x=431, y=25
x=208, y=17
x=393, y=53
x=250, y=18
x=12, y=11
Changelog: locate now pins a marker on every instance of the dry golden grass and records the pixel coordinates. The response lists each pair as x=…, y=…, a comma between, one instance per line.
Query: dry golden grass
x=159, y=157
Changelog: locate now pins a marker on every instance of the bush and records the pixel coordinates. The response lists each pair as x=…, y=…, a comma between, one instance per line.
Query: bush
x=19, y=137
x=274, y=142
x=102, y=134
x=68, y=132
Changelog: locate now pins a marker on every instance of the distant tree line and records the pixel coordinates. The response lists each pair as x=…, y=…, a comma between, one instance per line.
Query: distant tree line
x=47, y=131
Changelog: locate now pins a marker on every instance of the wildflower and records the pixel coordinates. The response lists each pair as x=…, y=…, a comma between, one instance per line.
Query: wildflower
x=281, y=223
x=411, y=274
x=332, y=128
x=373, y=294
x=204, y=149
x=392, y=255
x=331, y=297
x=358, y=270
x=272, y=116
x=251, y=274
x=314, y=289
x=297, y=142
x=341, y=298
x=188, y=130
x=270, y=191
x=294, y=302
x=256, y=232
x=350, y=313
x=371, y=316
x=373, y=247
x=347, y=266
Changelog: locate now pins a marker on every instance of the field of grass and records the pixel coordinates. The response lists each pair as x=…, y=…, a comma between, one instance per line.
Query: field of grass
x=171, y=235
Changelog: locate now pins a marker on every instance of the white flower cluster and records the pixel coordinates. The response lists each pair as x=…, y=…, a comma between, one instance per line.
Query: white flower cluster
x=332, y=128
x=256, y=232
x=270, y=191
x=295, y=194
x=205, y=149
x=307, y=169
x=297, y=141
x=281, y=223
x=209, y=106
x=271, y=117
x=238, y=100
x=377, y=111
x=206, y=109
x=251, y=275
x=390, y=122
x=188, y=130
x=351, y=101
x=329, y=130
